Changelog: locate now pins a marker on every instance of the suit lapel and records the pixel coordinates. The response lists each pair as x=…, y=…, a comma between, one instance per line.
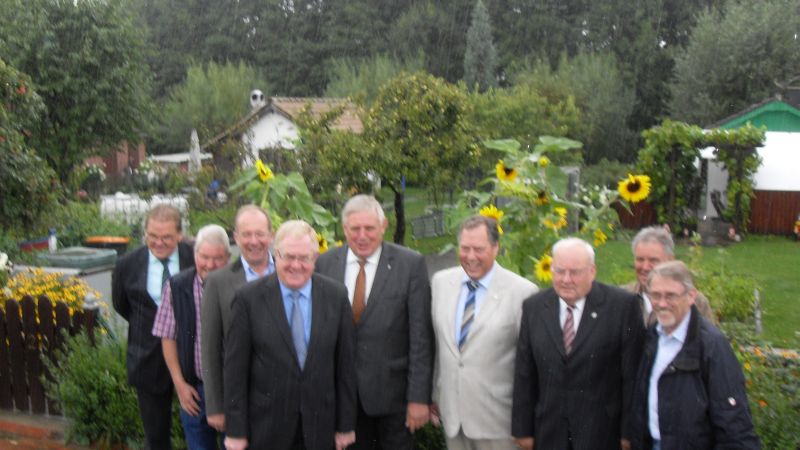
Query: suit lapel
x=317, y=319
x=491, y=302
x=143, y=263
x=274, y=304
x=382, y=273
x=594, y=303
x=451, y=306
x=552, y=322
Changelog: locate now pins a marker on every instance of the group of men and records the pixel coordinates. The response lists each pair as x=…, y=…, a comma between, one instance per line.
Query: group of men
x=285, y=348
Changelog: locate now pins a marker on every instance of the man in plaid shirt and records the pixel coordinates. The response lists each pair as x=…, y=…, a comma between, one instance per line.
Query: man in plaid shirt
x=177, y=323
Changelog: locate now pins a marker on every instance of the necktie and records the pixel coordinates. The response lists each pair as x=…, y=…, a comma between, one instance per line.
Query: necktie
x=360, y=291
x=165, y=273
x=298, y=329
x=569, y=330
x=469, y=312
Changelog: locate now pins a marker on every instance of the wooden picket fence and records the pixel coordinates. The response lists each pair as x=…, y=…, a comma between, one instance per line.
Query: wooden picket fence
x=25, y=341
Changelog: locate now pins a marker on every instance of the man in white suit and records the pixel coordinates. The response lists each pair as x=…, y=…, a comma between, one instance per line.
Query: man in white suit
x=476, y=311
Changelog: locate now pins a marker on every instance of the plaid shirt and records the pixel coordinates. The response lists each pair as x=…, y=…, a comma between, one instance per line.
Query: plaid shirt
x=164, y=325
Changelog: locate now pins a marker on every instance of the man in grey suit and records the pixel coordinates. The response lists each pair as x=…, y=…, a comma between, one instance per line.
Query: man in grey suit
x=577, y=355
x=253, y=235
x=390, y=294
x=476, y=315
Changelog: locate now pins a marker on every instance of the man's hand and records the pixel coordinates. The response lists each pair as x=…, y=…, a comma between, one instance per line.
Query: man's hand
x=344, y=439
x=216, y=421
x=235, y=443
x=189, y=398
x=417, y=415
x=525, y=443
x=436, y=419
x=624, y=444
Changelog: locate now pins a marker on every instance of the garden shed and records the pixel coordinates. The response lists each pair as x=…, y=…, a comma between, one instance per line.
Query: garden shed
x=777, y=184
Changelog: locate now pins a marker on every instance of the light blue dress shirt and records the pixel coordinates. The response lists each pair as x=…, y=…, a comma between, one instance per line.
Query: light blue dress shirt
x=155, y=270
x=305, y=306
x=480, y=296
x=668, y=348
x=251, y=275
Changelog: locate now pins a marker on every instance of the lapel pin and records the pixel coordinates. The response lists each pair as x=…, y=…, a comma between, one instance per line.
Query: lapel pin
x=732, y=401
x=389, y=266
x=594, y=315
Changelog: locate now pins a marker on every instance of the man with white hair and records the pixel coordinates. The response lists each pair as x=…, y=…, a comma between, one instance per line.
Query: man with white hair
x=177, y=323
x=578, y=350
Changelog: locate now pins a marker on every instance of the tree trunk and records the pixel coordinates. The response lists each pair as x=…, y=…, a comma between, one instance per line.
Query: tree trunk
x=400, y=215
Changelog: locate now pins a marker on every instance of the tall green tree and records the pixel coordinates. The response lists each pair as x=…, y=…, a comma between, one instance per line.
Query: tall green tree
x=480, y=57
x=734, y=59
x=86, y=62
x=360, y=79
x=211, y=99
x=418, y=131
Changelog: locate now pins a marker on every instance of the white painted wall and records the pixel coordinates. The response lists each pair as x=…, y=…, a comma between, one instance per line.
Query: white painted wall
x=270, y=131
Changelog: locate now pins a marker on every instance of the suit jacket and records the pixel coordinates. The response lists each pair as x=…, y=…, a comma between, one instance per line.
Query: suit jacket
x=394, y=356
x=473, y=386
x=586, y=395
x=146, y=367
x=266, y=392
x=218, y=290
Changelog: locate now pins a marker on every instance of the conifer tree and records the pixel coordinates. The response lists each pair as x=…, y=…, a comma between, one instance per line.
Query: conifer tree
x=480, y=57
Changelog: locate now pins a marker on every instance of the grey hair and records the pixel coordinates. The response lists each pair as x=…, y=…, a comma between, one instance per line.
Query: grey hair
x=481, y=221
x=296, y=229
x=361, y=203
x=674, y=270
x=574, y=242
x=252, y=208
x=213, y=235
x=659, y=235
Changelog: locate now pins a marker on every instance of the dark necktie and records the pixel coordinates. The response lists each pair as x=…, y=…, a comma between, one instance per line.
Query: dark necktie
x=360, y=291
x=298, y=329
x=165, y=273
x=469, y=313
x=569, y=330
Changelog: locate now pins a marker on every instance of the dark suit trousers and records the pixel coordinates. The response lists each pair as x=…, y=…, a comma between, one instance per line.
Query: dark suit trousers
x=156, y=412
x=382, y=432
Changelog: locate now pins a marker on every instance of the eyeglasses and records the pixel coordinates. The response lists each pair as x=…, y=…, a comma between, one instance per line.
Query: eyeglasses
x=668, y=296
x=571, y=272
x=302, y=259
x=168, y=239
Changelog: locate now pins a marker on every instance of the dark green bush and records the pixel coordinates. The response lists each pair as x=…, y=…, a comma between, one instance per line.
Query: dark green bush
x=429, y=438
x=75, y=221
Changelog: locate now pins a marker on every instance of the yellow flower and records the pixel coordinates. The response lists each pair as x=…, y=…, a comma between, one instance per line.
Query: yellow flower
x=543, y=270
x=762, y=403
x=542, y=198
x=323, y=243
x=264, y=172
x=560, y=223
x=339, y=243
x=493, y=213
x=600, y=238
x=505, y=173
x=635, y=188
x=544, y=161
x=747, y=367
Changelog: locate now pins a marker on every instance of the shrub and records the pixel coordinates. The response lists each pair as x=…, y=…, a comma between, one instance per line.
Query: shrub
x=429, y=438
x=92, y=388
x=75, y=221
x=56, y=286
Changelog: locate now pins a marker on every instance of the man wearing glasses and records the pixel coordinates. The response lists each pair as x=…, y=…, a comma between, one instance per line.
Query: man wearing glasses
x=136, y=285
x=690, y=390
x=289, y=355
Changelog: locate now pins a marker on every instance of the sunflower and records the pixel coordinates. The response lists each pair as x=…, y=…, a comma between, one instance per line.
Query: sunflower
x=544, y=161
x=505, y=173
x=542, y=198
x=600, y=238
x=493, y=213
x=543, y=269
x=264, y=172
x=635, y=188
x=560, y=223
x=323, y=243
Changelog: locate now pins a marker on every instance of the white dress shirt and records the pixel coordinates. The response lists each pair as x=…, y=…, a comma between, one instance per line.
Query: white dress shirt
x=351, y=272
x=577, y=312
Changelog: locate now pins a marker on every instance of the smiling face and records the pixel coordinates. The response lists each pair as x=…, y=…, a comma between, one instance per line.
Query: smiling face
x=294, y=260
x=364, y=232
x=162, y=237
x=647, y=255
x=671, y=301
x=476, y=251
x=573, y=273
x=209, y=257
x=253, y=237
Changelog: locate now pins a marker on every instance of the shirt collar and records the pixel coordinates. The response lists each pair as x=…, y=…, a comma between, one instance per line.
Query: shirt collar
x=171, y=259
x=679, y=333
x=579, y=304
x=305, y=291
x=371, y=259
x=485, y=281
x=247, y=267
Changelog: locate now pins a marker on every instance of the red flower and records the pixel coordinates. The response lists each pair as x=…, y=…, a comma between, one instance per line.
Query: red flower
x=22, y=89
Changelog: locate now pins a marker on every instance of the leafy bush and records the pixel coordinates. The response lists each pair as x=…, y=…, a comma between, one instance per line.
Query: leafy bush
x=731, y=294
x=429, y=438
x=75, y=221
x=93, y=391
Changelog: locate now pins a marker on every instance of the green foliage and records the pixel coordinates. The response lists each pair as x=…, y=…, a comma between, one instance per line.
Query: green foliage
x=75, y=221
x=90, y=383
x=736, y=150
x=360, y=79
x=86, y=61
x=480, y=56
x=211, y=99
x=429, y=438
x=669, y=155
x=734, y=58
x=605, y=173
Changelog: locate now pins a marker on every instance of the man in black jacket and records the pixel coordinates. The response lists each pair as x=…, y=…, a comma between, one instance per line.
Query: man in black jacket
x=178, y=324
x=690, y=390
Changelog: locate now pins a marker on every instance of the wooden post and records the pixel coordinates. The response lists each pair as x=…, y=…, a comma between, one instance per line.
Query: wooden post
x=757, y=312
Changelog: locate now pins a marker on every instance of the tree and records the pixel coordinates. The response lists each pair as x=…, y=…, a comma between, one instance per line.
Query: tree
x=361, y=79
x=480, y=57
x=734, y=59
x=417, y=131
x=213, y=98
x=86, y=62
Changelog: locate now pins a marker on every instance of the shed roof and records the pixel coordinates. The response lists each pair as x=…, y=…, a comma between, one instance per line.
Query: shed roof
x=773, y=113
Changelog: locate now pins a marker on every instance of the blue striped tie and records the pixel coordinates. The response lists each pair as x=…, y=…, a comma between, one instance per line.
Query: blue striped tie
x=298, y=329
x=469, y=312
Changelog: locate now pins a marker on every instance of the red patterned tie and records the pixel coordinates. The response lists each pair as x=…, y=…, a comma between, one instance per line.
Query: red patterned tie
x=569, y=330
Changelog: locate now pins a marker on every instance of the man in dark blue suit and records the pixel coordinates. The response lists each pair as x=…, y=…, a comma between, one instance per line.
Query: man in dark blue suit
x=136, y=285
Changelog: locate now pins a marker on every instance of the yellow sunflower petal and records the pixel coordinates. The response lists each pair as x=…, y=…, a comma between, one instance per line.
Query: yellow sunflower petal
x=634, y=188
x=543, y=268
x=544, y=161
x=505, y=173
x=264, y=172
